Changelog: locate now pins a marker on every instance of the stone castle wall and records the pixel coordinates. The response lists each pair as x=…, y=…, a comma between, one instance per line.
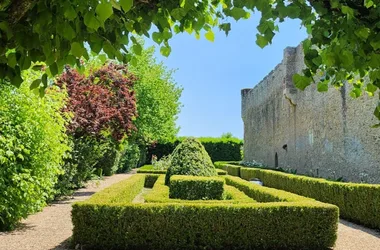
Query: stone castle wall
x=320, y=134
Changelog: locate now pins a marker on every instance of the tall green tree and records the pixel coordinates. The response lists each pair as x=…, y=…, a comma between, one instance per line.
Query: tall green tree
x=344, y=43
x=157, y=95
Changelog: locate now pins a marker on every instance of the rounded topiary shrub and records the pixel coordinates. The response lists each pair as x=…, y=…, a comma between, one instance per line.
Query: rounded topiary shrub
x=190, y=158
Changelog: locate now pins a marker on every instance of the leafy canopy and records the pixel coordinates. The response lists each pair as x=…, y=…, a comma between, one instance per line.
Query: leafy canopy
x=101, y=103
x=344, y=43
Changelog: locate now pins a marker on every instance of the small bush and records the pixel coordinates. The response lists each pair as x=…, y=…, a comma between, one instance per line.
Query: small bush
x=130, y=157
x=190, y=158
x=79, y=166
x=109, y=163
x=163, y=163
x=196, y=188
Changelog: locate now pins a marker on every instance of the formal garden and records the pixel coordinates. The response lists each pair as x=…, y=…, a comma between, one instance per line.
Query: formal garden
x=83, y=101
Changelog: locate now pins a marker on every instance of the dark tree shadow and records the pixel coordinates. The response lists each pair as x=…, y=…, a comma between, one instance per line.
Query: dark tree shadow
x=81, y=193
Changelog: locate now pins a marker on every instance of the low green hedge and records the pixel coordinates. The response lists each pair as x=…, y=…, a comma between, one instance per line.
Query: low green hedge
x=100, y=223
x=221, y=172
x=357, y=202
x=160, y=194
x=228, y=167
x=148, y=169
x=264, y=194
x=196, y=187
x=219, y=149
x=122, y=192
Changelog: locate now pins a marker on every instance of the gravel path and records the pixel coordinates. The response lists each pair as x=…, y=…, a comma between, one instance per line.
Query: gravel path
x=51, y=229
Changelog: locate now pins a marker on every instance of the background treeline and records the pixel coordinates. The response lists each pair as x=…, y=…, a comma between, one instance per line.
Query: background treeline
x=226, y=148
x=95, y=119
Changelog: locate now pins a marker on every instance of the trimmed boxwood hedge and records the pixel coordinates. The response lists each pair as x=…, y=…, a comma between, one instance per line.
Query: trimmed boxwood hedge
x=119, y=224
x=357, y=202
x=228, y=167
x=188, y=187
x=148, y=169
x=219, y=149
x=160, y=194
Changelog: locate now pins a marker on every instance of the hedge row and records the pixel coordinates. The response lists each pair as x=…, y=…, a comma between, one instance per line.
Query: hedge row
x=160, y=194
x=357, y=202
x=101, y=224
x=264, y=194
x=122, y=192
x=148, y=169
x=188, y=187
x=219, y=149
x=228, y=167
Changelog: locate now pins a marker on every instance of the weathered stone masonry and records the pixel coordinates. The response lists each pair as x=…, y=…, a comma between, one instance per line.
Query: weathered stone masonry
x=319, y=134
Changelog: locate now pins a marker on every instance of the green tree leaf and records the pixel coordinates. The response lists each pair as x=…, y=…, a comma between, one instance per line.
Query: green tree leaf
x=91, y=21
x=301, y=82
x=210, y=36
x=165, y=51
x=77, y=49
x=104, y=11
x=126, y=5
x=157, y=37
x=262, y=41
x=35, y=84
x=53, y=69
x=323, y=86
x=70, y=13
x=363, y=33
x=178, y=13
x=371, y=89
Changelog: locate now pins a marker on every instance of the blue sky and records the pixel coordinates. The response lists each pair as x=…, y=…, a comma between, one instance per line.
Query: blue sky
x=213, y=73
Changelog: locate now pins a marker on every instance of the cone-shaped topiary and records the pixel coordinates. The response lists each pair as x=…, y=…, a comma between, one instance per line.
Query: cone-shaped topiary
x=190, y=158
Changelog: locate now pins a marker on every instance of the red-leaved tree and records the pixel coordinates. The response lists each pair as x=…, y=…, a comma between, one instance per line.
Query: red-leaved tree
x=101, y=102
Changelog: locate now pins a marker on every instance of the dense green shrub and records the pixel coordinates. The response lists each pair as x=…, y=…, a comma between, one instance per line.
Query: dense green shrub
x=32, y=146
x=130, y=157
x=109, y=163
x=119, y=224
x=357, y=202
x=163, y=163
x=79, y=166
x=196, y=187
x=190, y=158
x=219, y=149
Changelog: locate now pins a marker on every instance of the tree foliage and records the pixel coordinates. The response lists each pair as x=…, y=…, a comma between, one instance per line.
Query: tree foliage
x=32, y=145
x=157, y=97
x=101, y=103
x=344, y=41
